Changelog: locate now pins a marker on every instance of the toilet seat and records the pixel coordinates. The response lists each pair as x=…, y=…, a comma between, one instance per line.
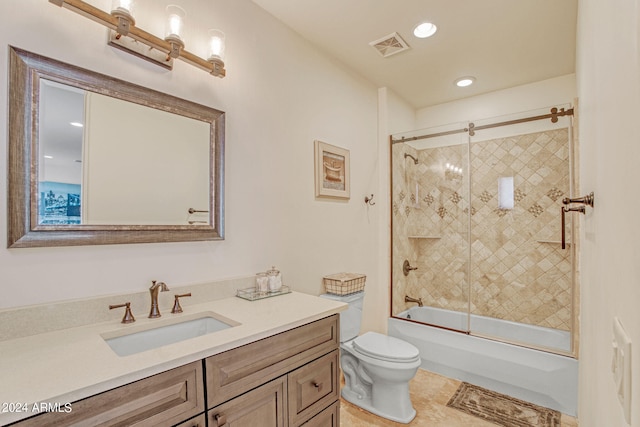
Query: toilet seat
x=383, y=347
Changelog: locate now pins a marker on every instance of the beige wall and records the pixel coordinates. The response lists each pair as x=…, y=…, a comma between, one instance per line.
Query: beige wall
x=279, y=95
x=609, y=93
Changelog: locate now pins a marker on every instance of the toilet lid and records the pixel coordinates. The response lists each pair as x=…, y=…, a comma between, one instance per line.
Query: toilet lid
x=384, y=347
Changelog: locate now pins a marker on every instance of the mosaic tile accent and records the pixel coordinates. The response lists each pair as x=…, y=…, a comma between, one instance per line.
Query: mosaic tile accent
x=455, y=197
x=442, y=211
x=519, y=195
x=429, y=199
x=536, y=210
x=554, y=194
x=501, y=212
x=473, y=211
x=486, y=196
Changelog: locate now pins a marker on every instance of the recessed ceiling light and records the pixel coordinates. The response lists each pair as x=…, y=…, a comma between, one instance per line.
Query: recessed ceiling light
x=48, y=157
x=465, y=81
x=424, y=30
x=76, y=124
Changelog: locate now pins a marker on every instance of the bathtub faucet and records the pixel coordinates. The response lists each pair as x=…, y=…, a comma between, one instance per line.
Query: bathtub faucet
x=407, y=298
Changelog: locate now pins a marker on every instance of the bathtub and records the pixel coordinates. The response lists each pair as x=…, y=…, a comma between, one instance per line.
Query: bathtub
x=539, y=377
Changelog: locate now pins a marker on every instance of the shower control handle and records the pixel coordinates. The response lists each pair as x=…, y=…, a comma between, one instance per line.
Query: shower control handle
x=406, y=267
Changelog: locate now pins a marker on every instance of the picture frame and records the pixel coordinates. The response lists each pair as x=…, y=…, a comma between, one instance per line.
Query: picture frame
x=332, y=171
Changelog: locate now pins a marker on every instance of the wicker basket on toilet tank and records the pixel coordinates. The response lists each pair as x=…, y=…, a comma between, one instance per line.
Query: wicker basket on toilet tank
x=344, y=283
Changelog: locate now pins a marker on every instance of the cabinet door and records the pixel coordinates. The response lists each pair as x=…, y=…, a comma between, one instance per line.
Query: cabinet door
x=199, y=421
x=330, y=417
x=264, y=406
x=313, y=387
x=164, y=399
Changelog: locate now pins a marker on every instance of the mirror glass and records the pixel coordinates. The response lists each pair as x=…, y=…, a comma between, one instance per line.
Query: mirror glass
x=95, y=160
x=106, y=161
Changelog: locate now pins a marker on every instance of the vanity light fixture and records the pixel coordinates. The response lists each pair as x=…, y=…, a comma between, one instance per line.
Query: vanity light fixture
x=424, y=30
x=76, y=124
x=126, y=36
x=465, y=81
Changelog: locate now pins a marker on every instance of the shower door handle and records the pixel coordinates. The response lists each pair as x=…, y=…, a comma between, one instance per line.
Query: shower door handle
x=563, y=210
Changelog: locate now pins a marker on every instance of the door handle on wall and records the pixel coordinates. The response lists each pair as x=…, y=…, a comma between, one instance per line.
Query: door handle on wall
x=585, y=201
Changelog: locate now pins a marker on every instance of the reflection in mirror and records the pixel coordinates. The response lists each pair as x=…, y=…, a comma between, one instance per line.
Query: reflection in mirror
x=95, y=160
x=98, y=166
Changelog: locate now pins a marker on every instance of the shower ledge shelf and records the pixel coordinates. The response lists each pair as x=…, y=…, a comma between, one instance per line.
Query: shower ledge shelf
x=424, y=237
x=555, y=242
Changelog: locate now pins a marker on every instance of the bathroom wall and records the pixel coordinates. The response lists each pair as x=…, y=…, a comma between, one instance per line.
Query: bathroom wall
x=280, y=94
x=608, y=67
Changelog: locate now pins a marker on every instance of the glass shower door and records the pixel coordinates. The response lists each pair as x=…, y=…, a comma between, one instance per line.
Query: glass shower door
x=521, y=279
x=430, y=226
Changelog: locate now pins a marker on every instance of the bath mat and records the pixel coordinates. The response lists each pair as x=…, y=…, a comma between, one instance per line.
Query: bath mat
x=501, y=409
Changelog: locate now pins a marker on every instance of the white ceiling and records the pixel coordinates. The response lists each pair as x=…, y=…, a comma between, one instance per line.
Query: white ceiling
x=502, y=43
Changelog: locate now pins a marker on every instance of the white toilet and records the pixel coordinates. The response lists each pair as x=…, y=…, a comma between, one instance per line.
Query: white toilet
x=377, y=368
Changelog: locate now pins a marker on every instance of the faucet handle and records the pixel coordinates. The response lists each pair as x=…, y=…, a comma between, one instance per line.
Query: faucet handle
x=128, y=315
x=176, y=305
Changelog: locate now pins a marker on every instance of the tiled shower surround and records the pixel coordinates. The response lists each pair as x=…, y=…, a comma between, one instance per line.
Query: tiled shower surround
x=511, y=258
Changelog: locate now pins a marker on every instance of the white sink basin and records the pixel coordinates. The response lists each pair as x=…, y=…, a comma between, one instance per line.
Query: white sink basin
x=154, y=337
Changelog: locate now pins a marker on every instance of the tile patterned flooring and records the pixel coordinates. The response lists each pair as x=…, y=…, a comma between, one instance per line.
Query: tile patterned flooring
x=430, y=393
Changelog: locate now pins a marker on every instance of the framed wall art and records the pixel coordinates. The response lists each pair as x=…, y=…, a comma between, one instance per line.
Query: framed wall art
x=332, y=171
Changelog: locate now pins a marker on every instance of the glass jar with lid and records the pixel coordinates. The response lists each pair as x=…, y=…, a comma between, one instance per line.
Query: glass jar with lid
x=275, y=279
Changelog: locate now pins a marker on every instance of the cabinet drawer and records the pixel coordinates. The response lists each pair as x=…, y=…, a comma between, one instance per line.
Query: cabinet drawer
x=330, y=417
x=263, y=406
x=236, y=371
x=313, y=387
x=161, y=400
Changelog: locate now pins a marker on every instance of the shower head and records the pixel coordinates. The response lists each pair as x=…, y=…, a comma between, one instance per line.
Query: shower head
x=415, y=161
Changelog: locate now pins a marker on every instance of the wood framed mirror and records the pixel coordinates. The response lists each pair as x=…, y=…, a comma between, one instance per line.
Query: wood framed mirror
x=141, y=166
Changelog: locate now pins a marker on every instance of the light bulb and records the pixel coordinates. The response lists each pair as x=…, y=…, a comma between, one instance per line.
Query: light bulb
x=424, y=30
x=216, y=45
x=175, y=22
x=124, y=6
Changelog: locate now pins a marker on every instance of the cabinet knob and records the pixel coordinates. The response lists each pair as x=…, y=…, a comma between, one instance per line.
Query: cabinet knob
x=220, y=419
x=317, y=385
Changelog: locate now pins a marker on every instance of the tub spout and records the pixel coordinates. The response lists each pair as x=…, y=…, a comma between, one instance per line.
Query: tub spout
x=407, y=298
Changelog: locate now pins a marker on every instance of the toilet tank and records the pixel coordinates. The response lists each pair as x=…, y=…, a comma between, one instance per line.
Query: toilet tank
x=351, y=318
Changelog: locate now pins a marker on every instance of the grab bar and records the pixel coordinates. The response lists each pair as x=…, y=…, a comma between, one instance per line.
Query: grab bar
x=564, y=209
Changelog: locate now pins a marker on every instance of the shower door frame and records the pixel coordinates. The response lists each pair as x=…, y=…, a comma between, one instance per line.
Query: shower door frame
x=573, y=185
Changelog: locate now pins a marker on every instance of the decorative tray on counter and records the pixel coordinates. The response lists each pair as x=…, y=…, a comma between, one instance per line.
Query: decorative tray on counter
x=252, y=294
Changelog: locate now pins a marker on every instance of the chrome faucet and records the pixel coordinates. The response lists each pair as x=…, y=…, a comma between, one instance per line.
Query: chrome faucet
x=407, y=298
x=155, y=286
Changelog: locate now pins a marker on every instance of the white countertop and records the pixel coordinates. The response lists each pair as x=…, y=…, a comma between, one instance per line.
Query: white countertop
x=70, y=364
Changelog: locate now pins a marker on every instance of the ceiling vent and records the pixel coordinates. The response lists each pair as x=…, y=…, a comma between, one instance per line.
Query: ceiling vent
x=390, y=45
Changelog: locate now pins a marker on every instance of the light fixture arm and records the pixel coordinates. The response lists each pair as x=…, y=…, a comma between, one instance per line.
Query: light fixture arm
x=113, y=22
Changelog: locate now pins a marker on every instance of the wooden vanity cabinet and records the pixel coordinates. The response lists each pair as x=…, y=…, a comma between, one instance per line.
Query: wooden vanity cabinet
x=293, y=375
x=286, y=380
x=165, y=399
